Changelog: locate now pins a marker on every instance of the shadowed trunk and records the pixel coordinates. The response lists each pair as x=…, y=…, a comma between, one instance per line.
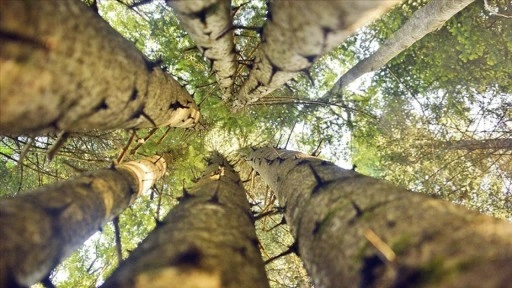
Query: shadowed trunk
x=427, y=19
x=64, y=68
x=41, y=228
x=210, y=24
x=356, y=231
x=207, y=241
x=296, y=34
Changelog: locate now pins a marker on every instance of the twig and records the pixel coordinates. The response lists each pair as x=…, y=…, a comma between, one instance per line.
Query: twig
x=386, y=252
x=289, y=136
x=117, y=233
x=134, y=150
x=291, y=249
x=59, y=142
x=123, y=153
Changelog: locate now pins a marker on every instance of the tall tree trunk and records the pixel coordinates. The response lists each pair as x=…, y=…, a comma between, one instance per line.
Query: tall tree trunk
x=208, y=240
x=210, y=24
x=296, y=34
x=356, y=231
x=484, y=144
x=64, y=68
x=425, y=20
x=41, y=228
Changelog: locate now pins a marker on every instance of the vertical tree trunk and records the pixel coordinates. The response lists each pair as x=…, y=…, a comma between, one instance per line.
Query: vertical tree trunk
x=296, y=34
x=427, y=19
x=64, y=68
x=356, y=231
x=208, y=240
x=209, y=23
x=41, y=228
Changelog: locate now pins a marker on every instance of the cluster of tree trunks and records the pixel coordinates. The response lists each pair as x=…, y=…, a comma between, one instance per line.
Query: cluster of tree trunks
x=75, y=73
x=41, y=228
x=350, y=229
x=208, y=240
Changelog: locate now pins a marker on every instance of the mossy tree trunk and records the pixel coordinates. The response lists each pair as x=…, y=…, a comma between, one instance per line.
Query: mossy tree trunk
x=427, y=19
x=208, y=240
x=296, y=34
x=41, y=228
x=64, y=68
x=357, y=231
x=210, y=24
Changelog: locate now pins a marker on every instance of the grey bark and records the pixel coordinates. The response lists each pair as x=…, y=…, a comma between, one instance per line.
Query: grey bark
x=41, y=228
x=209, y=24
x=296, y=34
x=485, y=144
x=356, y=231
x=425, y=20
x=64, y=68
x=208, y=240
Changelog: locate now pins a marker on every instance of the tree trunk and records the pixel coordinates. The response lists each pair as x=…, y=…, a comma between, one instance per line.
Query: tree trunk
x=41, y=228
x=292, y=41
x=209, y=24
x=485, y=144
x=427, y=19
x=208, y=240
x=64, y=68
x=356, y=231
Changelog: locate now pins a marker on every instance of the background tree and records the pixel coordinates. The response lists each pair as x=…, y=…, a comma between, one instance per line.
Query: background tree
x=428, y=18
x=445, y=88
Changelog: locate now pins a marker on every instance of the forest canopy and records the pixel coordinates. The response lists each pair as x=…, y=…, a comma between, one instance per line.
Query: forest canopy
x=436, y=119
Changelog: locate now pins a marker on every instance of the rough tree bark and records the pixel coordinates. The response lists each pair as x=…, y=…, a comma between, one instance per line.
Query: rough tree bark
x=209, y=23
x=41, y=228
x=425, y=20
x=207, y=241
x=356, y=231
x=64, y=68
x=296, y=34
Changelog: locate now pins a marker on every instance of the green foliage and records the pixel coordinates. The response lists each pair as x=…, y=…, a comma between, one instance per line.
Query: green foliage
x=452, y=85
x=449, y=86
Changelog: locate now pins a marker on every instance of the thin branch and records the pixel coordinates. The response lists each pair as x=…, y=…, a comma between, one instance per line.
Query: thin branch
x=117, y=232
x=125, y=149
x=488, y=8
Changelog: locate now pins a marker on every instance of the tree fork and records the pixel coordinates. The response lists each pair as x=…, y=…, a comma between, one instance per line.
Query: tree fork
x=65, y=69
x=346, y=223
x=41, y=228
x=208, y=240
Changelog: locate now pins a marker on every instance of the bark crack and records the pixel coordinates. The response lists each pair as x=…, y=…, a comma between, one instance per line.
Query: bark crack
x=320, y=183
